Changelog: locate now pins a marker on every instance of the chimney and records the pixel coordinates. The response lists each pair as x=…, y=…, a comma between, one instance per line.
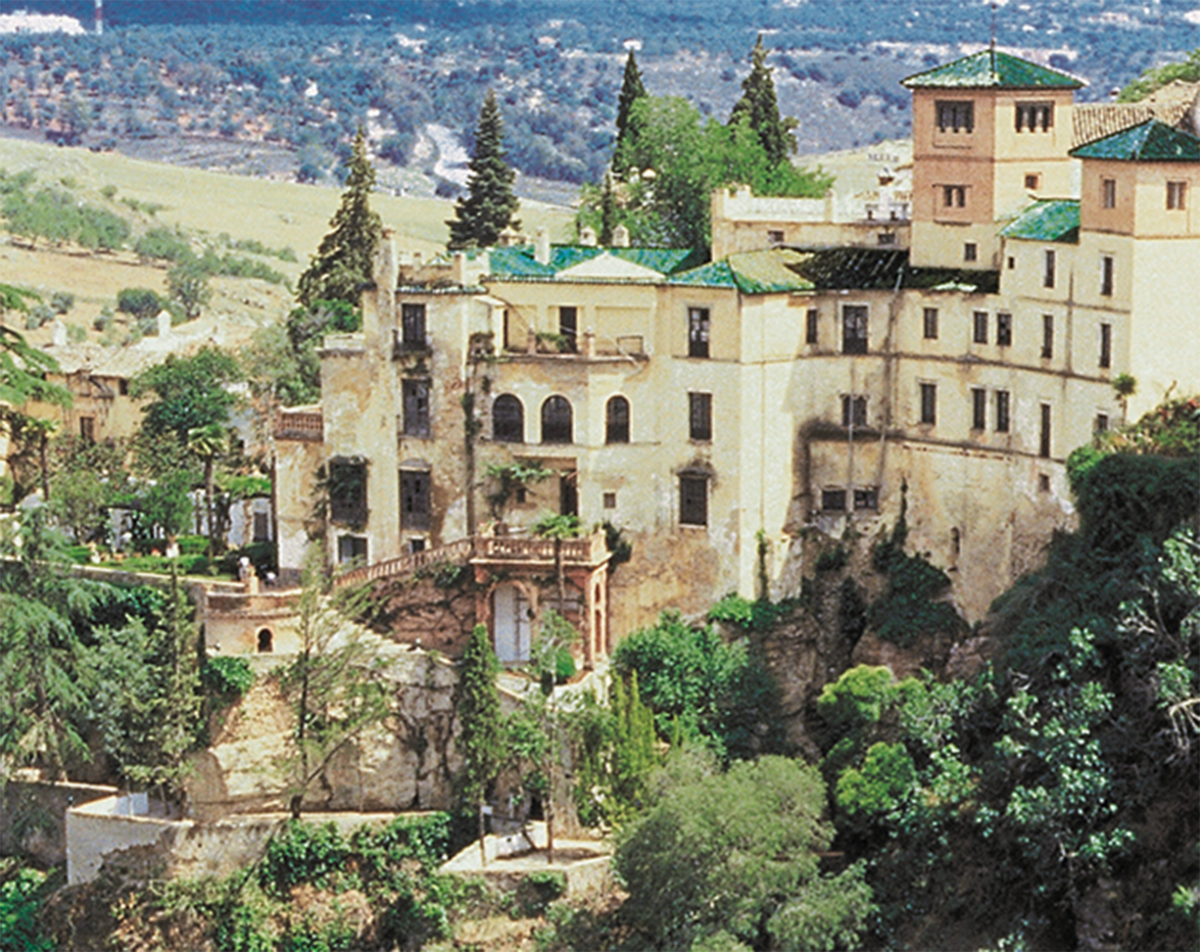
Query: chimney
x=541, y=246
x=587, y=236
x=458, y=268
x=620, y=237
x=386, y=262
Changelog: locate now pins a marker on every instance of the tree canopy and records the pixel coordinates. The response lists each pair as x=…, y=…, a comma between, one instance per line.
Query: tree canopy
x=188, y=393
x=489, y=205
x=760, y=107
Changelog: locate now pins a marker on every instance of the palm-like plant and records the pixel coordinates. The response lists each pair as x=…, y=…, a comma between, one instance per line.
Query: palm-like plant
x=207, y=443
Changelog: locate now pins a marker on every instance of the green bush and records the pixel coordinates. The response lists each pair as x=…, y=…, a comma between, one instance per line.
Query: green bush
x=140, y=302
x=21, y=900
x=538, y=890
x=303, y=853
x=227, y=675
x=192, y=544
x=564, y=666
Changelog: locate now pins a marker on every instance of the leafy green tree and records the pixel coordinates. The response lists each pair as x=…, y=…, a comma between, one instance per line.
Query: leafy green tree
x=79, y=503
x=187, y=393
x=1187, y=69
x=298, y=380
x=760, y=107
x=737, y=853
x=188, y=283
x=481, y=740
x=345, y=258
x=167, y=504
x=489, y=205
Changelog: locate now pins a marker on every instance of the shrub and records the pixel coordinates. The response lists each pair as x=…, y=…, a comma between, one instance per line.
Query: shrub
x=140, y=302
x=302, y=853
x=227, y=675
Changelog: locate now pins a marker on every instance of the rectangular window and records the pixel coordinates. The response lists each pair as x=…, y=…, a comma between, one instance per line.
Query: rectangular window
x=1044, y=432
x=854, y=329
x=262, y=527
x=833, y=500
x=931, y=323
x=87, y=429
x=348, y=491
x=980, y=321
x=1033, y=181
x=700, y=416
x=978, y=408
x=866, y=498
x=1105, y=345
x=415, y=500
x=1107, y=269
x=1108, y=192
x=412, y=326
x=954, y=196
x=1047, y=335
x=774, y=237
x=1101, y=422
x=1176, y=196
x=1002, y=411
x=610, y=500
x=693, y=500
x=929, y=403
x=955, y=116
x=970, y=251
x=416, y=407
x=1034, y=116
x=1048, y=265
x=854, y=410
x=352, y=549
x=698, y=331
x=568, y=328
x=812, y=326
x=1004, y=329
x=886, y=238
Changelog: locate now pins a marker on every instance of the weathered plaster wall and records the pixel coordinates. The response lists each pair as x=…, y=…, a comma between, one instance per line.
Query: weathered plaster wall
x=33, y=817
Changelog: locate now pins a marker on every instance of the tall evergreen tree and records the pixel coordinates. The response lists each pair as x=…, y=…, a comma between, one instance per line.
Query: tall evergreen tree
x=632, y=89
x=482, y=739
x=489, y=205
x=760, y=107
x=346, y=255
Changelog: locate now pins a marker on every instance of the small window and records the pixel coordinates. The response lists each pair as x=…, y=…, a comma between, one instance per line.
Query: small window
x=1043, y=483
x=954, y=196
x=774, y=237
x=262, y=527
x=352, y=549
x=415, y=500
x=1002, y=411
x=980, y=322
x=1044, y=442
x=508, y=419
x=700, y=416
x=1108, y=192
x=693, y=500
x=886, y=238
x=416, y=407
x=1107, y=269
x=1176, y=196
x=1101, y=422
x=854, y=410
x=616, y=420
x=699, y=327
x=123, y=387
x=929, y=403
x=812, y=326
x=833, y=500
x=978, y=408
x=931, y=323
x=1004, y=329
x=416, y=545
x=1033, y=181
x=610, y=500
x=568, y=328
x=854, y=329
x=87, y=429
x=265, y=641
x=955, y=116
x=348, y=492
x=970, y=251
x=1047, y=336
x=1105, y=345
x=1012, y=263
x=412, y=325
x=866, y=498
x=1034, y=116
x=1048, y=266
x=557, y=420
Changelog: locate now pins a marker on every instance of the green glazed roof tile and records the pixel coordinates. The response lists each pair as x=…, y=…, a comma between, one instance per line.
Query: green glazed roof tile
x=1053, y=220
x=1152, y=141
x=992, y=69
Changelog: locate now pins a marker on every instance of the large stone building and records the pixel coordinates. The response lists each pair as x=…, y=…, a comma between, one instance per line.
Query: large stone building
x=724, y=415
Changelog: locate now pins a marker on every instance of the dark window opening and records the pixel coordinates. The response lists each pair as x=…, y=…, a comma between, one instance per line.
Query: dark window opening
x=87, y=429
x=970, y=251
x=1033, y=181
x=700, y=416
x=508, y=420
x=1002, y=411
x=616, y=420
x=833, y=500
x=978, y=408
x=123, y=387
x=954, y=196
x=1048, y=270
x=931, y=323
x=980, y=319
x=1034, y=117
x=412, y=326
x=812, y=325
x=1105, y=345
x=929, y=403
x=774, y=237
x=352, y=549
x=854, y=410
x=1047, y=335
x=955, y=116
x=1107, y=269
x=348, y=492
x=266, y=641
x=699, y=327
x=854, y=329
x=568, y=328
x=1044, y=433
x=866, y=498
x=416, y=407
x=1043, y=483
x=610, y=500
x=1176, y=196
x=416, y=504
x=568, y=494
x=1108, y=189
x=1004, y=330
x=693, y=500
x=1101, y=422
x=557, y=424
x=886, y=238
x=416, y=545
x=262, y=527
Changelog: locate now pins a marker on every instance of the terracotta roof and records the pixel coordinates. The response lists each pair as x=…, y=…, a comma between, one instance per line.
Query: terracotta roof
x=100, y=361
x=1176, y=104
x=1152, y=141
x=992, y=69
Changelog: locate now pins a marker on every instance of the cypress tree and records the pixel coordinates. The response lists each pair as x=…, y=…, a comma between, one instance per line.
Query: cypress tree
x=760, y=107
x=608, y=210
x=489, y=205
x=632, y=89
x=482, y=738
x=345, y=258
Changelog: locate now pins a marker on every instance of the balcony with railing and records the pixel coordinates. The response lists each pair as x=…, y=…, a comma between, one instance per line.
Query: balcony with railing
x=305, y=425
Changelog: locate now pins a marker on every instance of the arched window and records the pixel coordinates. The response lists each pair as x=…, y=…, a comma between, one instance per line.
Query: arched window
x=616, y=421
x=556, y=420
x=508, y=419
x=266, y=641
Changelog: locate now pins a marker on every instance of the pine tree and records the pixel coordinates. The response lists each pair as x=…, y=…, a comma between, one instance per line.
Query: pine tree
x=482, y=738
x=345, y=257
x=632, y=89
x=489, y=206
x=760, y=107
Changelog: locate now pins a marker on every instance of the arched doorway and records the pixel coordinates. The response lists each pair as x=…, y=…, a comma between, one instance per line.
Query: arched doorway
x=511, y=629
x=266, y=641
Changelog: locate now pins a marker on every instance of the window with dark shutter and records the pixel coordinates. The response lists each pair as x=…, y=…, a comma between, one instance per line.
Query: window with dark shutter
x=416, y=408
x=698, y=331
x=412, y=326
x=557, y=422
x=693, y=500
x=700, y=416
x=616, y=420
x=415, y=500
x=854, y=329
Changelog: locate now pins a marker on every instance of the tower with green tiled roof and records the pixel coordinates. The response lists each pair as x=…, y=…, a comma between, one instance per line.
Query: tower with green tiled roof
x=991, y=133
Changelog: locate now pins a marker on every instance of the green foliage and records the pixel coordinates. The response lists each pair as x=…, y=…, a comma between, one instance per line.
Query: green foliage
x=506, y=479
x=289, y=369
x=719, y=694
x=188, y=284
x=759, y=107
x=726, y=852
x=227, y=676
x=21, y=899
x=60, y=217
x=909, y=606
x=163, y=243
x=187, y=392
x=481, y=740
x=489, y=205
x=758, y=615
x=303, y=853
x=140, y=302
x=23, y=368
x=1153, y=79
x=632, y=89
x=537, y=890
x=886, y=779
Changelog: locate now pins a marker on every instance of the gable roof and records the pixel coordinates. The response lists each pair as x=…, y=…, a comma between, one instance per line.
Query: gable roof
x=1177, y=104
x=1050, y=220
x=1150, y=141
x=992, y=69
x=579, y=262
